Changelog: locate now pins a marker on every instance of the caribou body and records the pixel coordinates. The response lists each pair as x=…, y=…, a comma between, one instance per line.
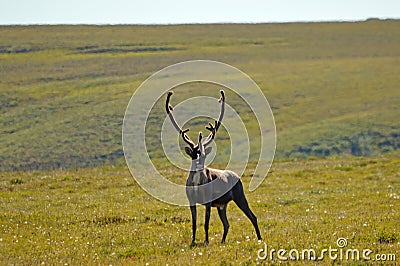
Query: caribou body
x=208, y=186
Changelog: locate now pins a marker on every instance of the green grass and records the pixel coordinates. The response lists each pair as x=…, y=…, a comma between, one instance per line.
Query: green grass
x=333, y=87
x=334, y=91
x=100, y=216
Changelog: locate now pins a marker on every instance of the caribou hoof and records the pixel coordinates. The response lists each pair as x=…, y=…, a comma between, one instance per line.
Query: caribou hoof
x=206, y=243
x=192, y=244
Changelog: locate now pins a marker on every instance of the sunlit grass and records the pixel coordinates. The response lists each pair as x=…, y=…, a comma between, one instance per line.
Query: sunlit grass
x=330, y=86
x=101, y=216
x=327, y=83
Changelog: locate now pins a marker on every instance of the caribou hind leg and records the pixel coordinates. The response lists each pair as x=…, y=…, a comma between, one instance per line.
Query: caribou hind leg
x=224, y=219
x=241, y=202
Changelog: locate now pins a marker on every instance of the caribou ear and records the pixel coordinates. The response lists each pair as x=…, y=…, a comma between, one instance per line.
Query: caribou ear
x=188, y=151
x=208, y=150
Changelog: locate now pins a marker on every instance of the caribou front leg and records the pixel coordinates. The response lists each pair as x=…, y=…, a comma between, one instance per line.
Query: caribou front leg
x=207, y=222
x=194, y=218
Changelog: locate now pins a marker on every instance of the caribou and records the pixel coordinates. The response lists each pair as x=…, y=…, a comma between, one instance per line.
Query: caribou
x=208, y=186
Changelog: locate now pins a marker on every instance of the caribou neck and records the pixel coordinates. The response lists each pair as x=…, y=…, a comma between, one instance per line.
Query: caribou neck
x=197, y=166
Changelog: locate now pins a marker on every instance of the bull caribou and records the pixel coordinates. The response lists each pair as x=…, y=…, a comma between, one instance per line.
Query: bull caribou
x=208, y=186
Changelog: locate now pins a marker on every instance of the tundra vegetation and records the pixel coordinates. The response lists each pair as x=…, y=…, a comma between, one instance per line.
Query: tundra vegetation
x=101, y=216
x=66, y=196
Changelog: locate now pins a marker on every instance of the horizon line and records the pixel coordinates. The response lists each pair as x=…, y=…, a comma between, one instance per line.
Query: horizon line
x=200, y=23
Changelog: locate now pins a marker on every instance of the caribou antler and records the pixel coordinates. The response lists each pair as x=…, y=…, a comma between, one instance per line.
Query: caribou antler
x=169, y=110
x=214, y=128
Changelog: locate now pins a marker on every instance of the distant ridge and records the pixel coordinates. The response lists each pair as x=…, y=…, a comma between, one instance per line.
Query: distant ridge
x=333, y=87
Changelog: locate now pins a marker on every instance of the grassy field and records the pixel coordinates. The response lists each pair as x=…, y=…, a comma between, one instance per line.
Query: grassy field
x=101, y=217
x=67, y=198
x=333, y=87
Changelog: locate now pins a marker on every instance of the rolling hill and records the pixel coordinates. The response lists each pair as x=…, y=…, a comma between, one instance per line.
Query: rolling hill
x=334, y=87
